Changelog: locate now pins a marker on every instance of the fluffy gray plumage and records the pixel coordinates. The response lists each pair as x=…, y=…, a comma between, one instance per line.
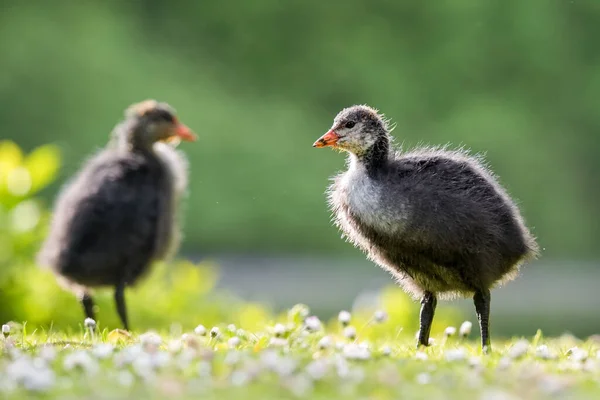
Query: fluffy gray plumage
x=436, y=219
x=118, y=214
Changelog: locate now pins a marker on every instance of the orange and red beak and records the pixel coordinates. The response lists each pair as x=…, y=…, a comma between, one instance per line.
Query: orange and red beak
x=184, y=133
x=328, y=139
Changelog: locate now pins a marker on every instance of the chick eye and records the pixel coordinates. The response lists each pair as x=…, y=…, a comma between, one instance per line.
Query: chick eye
x=350, y=124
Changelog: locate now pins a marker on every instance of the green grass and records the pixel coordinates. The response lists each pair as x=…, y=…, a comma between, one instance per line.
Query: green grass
x=293, y=361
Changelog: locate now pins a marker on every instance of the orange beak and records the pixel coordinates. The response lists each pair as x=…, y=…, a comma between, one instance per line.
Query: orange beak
x=328, y=139
x=182, y=132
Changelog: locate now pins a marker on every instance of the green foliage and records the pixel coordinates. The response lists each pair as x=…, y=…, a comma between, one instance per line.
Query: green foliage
x=260, y=82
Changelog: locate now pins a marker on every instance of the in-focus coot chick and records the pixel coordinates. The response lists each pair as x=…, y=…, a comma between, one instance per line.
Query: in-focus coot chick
x=436, y=219
x=118, y=214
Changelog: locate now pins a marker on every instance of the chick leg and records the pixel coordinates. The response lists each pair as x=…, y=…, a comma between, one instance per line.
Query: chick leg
x=120, y=302
x=428, y=304
x=482, y=308
x=88, y=305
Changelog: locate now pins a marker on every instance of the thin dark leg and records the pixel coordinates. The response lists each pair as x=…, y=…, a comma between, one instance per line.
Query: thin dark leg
x=428, y=303
x=482, y=308
x=88, y=305
x=120, y=301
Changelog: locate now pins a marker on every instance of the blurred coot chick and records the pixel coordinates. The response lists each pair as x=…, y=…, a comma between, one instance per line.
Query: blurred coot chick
x=436, y=219
x=118, y=214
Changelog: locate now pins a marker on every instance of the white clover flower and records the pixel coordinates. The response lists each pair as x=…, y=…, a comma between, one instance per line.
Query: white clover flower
x=240, y=333
x=278, y=342
x=450, y=331
x=231, y=328
x=160, y=359
x=325, y=342
x=102, y=350
x=380, y=316
x=344, y=317
x=317, y=369
x=204, y=369
x=239, y=377
x=465, y=328
x=313, y=323
x=82, y=360
x=89, y=323
x=576, y=354
x=279, y=330
x=350, y=332
x=234, y=342
x=353, y=351
x=125, y=378
x=175, y=346
x=386, y=350
x=300, y=385
x=215, y=332
x=232, y=358
x=47, y=353
x=150, y=339
x=127, y=355
x=142, y=366
x=544, y=353
x=200, y=330
x=423, y=378
x=421, y=356
x=504, y=363
x=519, y=349
x=285, y=366
x=269, y=359
x=30, y=376
x=6, y=330
x=455, y=354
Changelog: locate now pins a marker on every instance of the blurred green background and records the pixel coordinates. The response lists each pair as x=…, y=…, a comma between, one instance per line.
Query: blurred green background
x=259, y=81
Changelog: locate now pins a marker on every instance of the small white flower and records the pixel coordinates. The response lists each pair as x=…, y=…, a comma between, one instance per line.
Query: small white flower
x=125, y=378
x=231, y=328
x=215, y=332
x=317, y=369
x=423, y=378
x=465, y=328
x=421, y=356
x=325, y=342
x=200, y=330
x=6, y=330
x=81, y=359
x=519, y=349
x=576, y=354
x=150, y=339
x=102, y=351
x=353, y=351
x=279, y=330
x=204, y=369
x=47, y=353
x=285, y=366
x=300, y=386
x=313, y=323
x=544, y=353
x=175, y=346
x=455, y=354
x=350, y=332
x=234, y=342
x=344, y=317
x=278, y=342
x=239, y=378
x=386, y=350
x=232, y=358
x=89, y=323
x=450, y=331
x=380, y=316
x=504, y=363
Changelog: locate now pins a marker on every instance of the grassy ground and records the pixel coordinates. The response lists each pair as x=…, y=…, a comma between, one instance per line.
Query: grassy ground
x=298, y=357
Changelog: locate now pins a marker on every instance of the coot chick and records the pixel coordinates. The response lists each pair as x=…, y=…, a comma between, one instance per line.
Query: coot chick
x=118, y=214
x=436, y=219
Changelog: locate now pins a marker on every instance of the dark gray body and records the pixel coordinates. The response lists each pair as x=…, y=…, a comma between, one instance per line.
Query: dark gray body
x=114, y=219
x=436, y=219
